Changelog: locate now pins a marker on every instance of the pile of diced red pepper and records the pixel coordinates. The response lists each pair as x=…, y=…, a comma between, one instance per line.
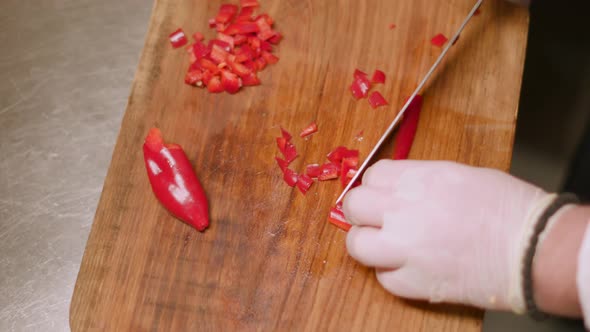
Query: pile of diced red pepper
x=342, y=163
x=243, y=47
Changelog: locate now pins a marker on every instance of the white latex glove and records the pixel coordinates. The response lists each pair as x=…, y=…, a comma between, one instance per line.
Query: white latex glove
x=444, y=232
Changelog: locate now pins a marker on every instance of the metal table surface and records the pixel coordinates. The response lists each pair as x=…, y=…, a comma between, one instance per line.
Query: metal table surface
x=66, y=68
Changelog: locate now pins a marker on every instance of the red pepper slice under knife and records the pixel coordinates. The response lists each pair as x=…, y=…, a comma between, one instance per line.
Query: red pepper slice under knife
x=407, y=129
x=174, y=181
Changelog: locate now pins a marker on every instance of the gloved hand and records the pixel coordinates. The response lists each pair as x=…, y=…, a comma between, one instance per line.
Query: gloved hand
x=444, y=232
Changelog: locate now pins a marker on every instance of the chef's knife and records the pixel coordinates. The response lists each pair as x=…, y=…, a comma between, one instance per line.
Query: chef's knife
x=403, y=110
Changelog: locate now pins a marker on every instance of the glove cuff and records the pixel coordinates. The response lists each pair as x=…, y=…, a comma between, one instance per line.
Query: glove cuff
x=522, y=297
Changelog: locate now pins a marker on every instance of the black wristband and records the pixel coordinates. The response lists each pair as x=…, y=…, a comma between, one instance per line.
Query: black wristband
x=527, y=267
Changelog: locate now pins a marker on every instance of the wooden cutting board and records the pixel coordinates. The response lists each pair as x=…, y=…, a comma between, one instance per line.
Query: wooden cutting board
x=269, y=260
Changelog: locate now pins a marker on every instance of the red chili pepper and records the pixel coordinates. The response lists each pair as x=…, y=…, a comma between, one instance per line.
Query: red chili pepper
x=376, y=99
x=439, y=40
x=174, y=181
x=290, y=177
x=313, y=170
x=407, y=129
x=378, y=77
x=311, y=129
x=337, y=218
x=178, y=38
x=329, y=171
x=304, y=182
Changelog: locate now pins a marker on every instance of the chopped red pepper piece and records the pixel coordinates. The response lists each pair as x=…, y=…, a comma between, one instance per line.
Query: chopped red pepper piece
x=174, y=181
x=242, y=27
x=229, y=40
x=201, y=50
x=218, y=54
x=226, y=13
x=339, y=153
x=304, y=182
x=178, y=38
x=311, y=129
x=239, y=69
x=220, y=27
x=230, y=81
x=270, y=58
x=313, y=170
x=392, y=26
x=376, y=99
x=378, y=77
x=439, y=40
x=245, y=13
x=407, y=129
x=290, y=152
x=239, y=40
x=209, y=65
x=351, y=161
x=287, y=135
x=198, y=36
x=276, y=38
x=359, y=73
x=266, y=46
x=212, y=23
x=281, y=144
x=214, y=85
x=329, y=171
x=194, y=77
x=283, y=164
x=250, y=80
x=337, y=218
x=360, y=87
x=290, y=177
x=260, y=63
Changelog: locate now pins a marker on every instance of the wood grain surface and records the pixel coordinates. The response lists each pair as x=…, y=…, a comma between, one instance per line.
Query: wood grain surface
x=269, y=260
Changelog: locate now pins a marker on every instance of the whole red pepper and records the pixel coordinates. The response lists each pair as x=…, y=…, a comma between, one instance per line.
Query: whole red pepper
x=174, y=182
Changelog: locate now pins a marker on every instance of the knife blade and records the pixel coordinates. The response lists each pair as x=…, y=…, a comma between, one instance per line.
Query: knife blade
x=403, y=110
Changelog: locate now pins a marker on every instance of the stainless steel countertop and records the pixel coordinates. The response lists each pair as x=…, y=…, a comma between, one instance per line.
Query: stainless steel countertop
x=66, y=68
